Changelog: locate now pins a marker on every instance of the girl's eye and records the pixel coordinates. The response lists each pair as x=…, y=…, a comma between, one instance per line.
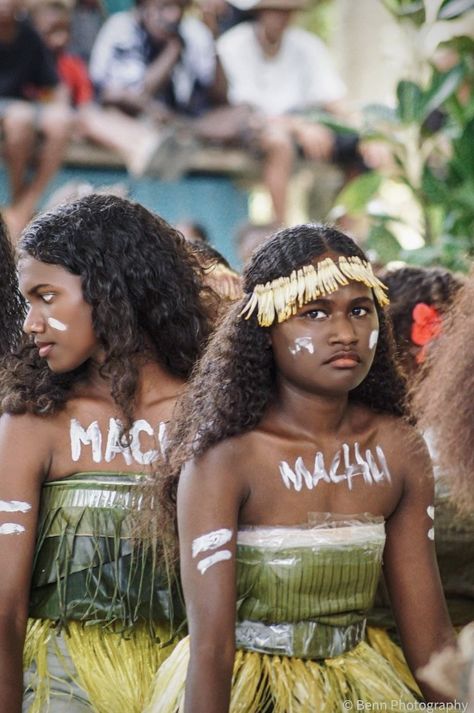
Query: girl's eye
x=315, y=314
x=47, y=297
x=360, y=311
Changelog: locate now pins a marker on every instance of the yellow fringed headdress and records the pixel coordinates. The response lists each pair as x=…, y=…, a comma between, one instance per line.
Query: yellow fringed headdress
x=283, y=296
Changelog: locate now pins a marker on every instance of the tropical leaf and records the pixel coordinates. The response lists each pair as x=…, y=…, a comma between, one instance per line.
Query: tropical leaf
x=443, y=86
x=384, y=242
x=356, y=194
x=410, y=102
x=450, y=9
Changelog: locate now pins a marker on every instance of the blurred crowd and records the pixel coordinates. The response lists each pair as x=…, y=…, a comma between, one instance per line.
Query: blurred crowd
x=157, y=82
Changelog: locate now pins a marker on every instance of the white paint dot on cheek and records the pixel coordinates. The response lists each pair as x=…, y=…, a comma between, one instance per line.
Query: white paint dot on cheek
x=431, y=533
x=300, y=344
x=56, y=324
x=430, y=511
x=11, y=528
x=374, y=338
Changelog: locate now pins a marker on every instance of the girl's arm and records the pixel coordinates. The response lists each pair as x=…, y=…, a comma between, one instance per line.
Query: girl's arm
x=209, y=497
x=410, y=565
x=23, y=464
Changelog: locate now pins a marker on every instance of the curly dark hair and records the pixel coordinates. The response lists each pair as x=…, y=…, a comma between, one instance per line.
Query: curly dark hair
x=12, y=304
x=443, y=399
x=409, y=285
x=145, y=289
x=234, y=382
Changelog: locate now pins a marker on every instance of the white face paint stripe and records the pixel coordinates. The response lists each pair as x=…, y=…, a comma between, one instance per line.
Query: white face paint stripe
x=374, y=338
x=56, y=324
x=14, y=506
x=207, y=562
x=11, y=528
x=211, y=541
x=373, y=468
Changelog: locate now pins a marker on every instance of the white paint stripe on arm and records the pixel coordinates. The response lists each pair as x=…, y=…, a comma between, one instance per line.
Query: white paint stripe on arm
x=207, y=562
x=14, y=506
x=11, y=528
x=211, y=540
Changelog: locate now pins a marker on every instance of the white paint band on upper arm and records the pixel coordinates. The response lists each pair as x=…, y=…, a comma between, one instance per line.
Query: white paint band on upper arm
x=207, y=562
x=211, y=541
x=14, y=506
x=11, y=528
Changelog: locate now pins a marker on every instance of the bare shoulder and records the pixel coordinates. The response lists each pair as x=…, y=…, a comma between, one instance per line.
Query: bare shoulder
x=404, y=445
x=224, y=464
x=26, y=443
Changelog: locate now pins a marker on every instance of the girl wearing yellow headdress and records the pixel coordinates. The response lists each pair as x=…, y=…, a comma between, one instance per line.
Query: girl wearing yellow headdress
x=299, y=479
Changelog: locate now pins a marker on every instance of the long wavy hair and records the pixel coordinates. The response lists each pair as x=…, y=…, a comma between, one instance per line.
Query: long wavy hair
x=12, y=304
x=443, y=401
x=145, y=289
x=234, y=382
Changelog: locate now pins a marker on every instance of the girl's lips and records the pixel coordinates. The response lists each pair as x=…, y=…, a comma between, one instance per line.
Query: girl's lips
x=44, y=349
x=344, y=363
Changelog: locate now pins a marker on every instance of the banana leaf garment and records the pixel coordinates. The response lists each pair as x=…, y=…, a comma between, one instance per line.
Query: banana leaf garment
x=303, y=595
x=102, y=609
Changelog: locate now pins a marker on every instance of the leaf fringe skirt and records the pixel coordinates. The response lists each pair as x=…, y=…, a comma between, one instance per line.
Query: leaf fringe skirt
x=111, y=670
x=263, y=683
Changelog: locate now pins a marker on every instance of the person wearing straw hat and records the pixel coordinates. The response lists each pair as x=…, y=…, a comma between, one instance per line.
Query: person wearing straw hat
x=281, y=72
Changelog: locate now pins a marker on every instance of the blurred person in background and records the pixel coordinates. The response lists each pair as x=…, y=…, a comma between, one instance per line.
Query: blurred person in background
x=31, y=103
x=155, y=71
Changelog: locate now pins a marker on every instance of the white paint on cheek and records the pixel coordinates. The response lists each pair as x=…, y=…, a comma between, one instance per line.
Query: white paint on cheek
x=11, y=528
x=211, y=541
x=14, y=506
x=207, y=562
x=374, y=338
x=302, y=343
x=431, y=533
x=56, y=324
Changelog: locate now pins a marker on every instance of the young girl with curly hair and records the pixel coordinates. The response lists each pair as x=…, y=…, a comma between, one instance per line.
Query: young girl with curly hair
x=116, y=320
x=297, y=473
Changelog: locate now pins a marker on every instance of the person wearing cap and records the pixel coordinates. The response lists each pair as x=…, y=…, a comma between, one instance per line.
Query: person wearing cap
x=281, y=72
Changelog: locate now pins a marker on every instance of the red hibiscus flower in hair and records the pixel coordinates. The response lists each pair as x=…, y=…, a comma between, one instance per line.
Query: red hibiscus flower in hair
x=426, y=327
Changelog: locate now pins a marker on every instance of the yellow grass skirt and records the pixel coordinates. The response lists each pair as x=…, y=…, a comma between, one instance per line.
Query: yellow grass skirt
x=383, y=644
x=289, y=685
x=114, y=669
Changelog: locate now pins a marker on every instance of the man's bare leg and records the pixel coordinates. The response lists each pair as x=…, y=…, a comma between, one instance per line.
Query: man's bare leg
x=279, y=151
x=19, y=132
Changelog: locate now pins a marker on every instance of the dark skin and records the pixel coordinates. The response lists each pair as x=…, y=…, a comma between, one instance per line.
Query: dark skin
x=238, y=483
x=34, y=449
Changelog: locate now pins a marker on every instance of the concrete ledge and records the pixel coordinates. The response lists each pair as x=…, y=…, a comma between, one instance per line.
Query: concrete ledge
x=211, y=159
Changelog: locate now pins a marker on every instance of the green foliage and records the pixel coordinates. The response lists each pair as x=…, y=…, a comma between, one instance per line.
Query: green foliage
x=430, y=133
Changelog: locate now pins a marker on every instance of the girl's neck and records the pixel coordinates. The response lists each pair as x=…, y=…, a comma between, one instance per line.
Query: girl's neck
x=309, y=413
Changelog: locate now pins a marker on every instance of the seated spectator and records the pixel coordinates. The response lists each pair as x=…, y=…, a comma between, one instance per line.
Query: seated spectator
x=87, y=19
x=52, y=19
x=31, y=101
x=157, y=66
x=281, y=72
